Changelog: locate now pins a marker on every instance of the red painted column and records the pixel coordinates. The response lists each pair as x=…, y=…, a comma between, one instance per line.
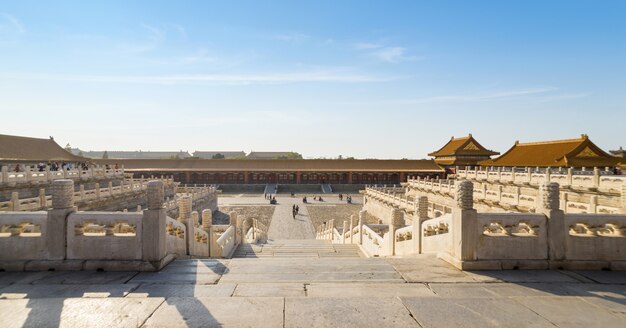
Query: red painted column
x=298, y=177
x=246, y=177
x=349, y=177
x=402, y=177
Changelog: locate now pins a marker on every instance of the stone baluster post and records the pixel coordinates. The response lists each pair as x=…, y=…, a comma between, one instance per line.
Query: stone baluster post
x=15, y=201
x=596, y=177
x=62, y=206
x=623, y=197
x=184, y=217
x=362, y=217
x=153, y=224
x=97, y=190
x=207, y=220
x=464, y=224
x=529, y=172
x=351, y=229
x=5, y=174
x=593, y=204
x=27, y=173
x=331, y=230
x=138, y=208
x=499, y=191
x=110, y=187
x=195, y=218
x=345, y=229
x=81, y=189
x=564, y=200
x=550, y=199
x=419, y=216
x=397, y=220
x=42, y=198
x=570, y=175
x=184, y=209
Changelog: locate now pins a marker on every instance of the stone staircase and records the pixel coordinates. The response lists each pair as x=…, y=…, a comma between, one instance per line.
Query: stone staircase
x=271, y=188
x=327, y=188
x=304, y=248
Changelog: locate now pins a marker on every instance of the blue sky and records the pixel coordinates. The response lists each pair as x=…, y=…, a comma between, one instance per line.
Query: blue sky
x=379, y=79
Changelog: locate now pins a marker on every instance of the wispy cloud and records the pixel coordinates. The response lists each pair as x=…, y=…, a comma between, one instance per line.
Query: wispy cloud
x=537, y=94
x=389, y=54
x=10, y=22
x=220, y=79
x=481, y=97
x=199, y=57
x=180, y=29
x=392, y=55
x=156, y=34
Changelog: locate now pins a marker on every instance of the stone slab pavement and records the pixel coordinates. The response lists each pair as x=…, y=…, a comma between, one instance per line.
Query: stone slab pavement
x=320, y=292
x=284, y=226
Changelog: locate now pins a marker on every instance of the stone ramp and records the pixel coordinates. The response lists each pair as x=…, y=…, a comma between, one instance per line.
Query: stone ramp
x=310, y=270
x=271, y=188
x=306, y=248
x=285, y=226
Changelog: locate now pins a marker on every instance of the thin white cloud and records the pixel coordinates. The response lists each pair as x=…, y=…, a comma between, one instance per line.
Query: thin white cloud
x=388, y=54
x=180, y=29
x=392, y=55
x=536, y=91
x=12, y=22
x=220, y=79
x=156, y=34
x=199, y=57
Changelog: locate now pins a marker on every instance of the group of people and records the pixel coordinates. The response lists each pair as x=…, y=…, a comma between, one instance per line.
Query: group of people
x=56, y=166
x=295, y=210
x=348, y=198
x=271, y=198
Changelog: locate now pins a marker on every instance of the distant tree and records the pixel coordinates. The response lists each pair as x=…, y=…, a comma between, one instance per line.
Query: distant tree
x=218, y=156
x=105, y=155
x=80, y=153
x=350, y=157
x=290, y=155
x=175, y=157
x=68, y=147
x=340, y=157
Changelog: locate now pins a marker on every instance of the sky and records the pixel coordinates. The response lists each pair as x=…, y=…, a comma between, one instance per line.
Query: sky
x=368, y=79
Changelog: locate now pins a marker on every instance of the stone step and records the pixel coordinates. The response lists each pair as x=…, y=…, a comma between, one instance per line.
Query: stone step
x=297, y=249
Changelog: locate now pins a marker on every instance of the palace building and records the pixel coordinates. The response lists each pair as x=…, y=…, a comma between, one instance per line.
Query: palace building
x=284, y=171
x=461, y=152
x=576, y=153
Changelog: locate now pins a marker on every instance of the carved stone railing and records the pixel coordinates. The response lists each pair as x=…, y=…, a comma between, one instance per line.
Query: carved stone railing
x=30, y=175
x=64, y=239
x=81, y=197
x=104, y=236
x=508, y=197
x=597, y=179
x=373, y=243
x=227, y=242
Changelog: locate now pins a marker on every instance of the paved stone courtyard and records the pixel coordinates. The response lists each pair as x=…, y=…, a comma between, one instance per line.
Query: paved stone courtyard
x=313, y=292
x=296, y=281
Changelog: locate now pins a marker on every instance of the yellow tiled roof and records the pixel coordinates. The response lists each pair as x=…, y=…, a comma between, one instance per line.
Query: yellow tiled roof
x=570, y=152
x=463, y=146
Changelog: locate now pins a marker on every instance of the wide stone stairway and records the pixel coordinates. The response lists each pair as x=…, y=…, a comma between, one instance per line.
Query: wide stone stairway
x=305, y=248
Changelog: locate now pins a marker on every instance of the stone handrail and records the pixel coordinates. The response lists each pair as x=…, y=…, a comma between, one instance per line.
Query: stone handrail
x=8, y=178
x=227, y=242
x=63, y=238
x=44, y=201
x=372, y=242
x=511, y=197
x=603, y=181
